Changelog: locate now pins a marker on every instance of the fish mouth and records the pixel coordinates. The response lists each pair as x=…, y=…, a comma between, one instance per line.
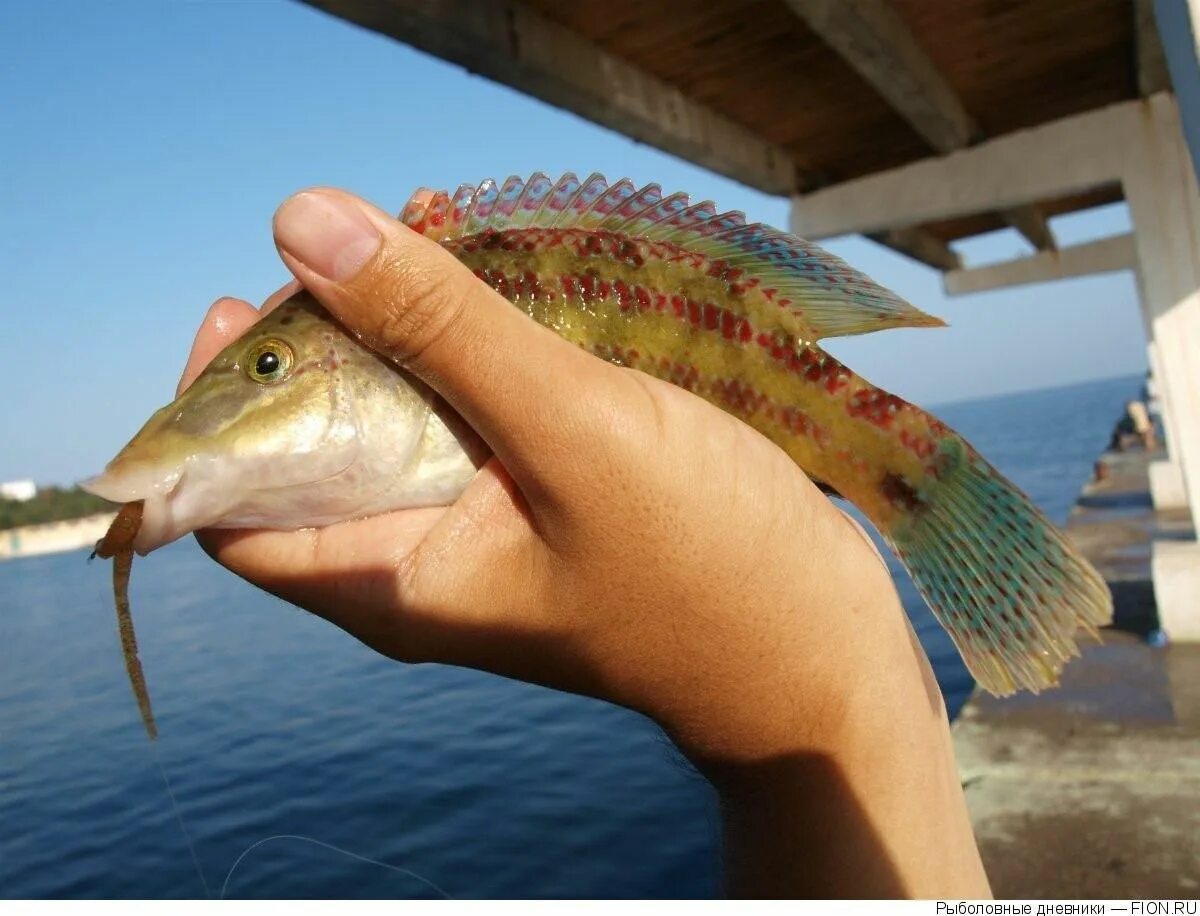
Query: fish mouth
x=170, y=510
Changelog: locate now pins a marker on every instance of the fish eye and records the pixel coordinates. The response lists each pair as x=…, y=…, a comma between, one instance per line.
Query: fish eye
x=269, y=361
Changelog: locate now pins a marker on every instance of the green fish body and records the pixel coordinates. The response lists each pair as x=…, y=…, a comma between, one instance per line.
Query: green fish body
x=730, y=311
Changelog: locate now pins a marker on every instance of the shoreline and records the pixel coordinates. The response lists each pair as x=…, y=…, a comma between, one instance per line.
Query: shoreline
x=54, y=537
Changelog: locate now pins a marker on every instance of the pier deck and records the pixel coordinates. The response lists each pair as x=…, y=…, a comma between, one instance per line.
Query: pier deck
x=1092, y=790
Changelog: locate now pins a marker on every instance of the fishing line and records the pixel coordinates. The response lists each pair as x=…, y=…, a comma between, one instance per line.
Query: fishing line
x=253, y=846
x=346, y=852
x=154, y=754
x=281, y=836
x=179, y=818
x=191, y=845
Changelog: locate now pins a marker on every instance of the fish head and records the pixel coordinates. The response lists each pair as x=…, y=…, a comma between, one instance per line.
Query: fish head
x=274, y=410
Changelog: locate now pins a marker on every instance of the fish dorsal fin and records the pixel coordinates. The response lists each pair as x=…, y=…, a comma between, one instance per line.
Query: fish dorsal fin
x=825, y=296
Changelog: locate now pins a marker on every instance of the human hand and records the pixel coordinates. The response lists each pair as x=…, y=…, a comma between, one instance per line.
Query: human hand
x=632, y=541
x=627, y=541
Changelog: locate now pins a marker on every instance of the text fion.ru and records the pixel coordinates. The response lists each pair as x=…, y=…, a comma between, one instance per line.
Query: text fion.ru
x=1023, y=908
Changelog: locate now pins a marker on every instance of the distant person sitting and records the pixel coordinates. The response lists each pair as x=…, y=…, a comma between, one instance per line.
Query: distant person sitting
x=1137, y=412
x=1133, y=428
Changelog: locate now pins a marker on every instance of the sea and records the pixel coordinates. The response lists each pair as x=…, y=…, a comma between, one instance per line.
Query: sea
x=293, y=762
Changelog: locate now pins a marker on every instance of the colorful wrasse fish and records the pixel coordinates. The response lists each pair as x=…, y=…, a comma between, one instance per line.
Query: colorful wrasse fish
x=297, y=425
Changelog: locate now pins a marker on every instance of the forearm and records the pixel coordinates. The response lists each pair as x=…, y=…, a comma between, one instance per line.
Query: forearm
x=867, y=801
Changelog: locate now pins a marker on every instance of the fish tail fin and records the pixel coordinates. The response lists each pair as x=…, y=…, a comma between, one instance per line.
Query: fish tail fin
x=1006, y=584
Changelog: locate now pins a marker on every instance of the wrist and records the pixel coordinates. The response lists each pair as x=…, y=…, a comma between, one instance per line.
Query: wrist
x=834, y=676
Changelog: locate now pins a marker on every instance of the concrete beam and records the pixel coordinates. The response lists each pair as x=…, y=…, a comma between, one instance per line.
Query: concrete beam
x=873, y=39
x=1061, y=157
x=512, y=44
x=1031, y=223
x=1101, y=256
x=1152, y=75
x=921, y=246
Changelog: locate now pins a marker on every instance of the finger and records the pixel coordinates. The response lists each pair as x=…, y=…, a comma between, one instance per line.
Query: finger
x=346, y=573
x=421, y=197
x=410, y=299
x=280, y=296
x=326, y=569
x=226, y=321
x=366, y=577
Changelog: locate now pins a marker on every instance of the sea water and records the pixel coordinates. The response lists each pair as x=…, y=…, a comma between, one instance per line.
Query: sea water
x=274, y=722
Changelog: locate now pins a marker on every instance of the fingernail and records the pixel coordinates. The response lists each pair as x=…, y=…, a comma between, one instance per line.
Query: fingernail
x=327, y=233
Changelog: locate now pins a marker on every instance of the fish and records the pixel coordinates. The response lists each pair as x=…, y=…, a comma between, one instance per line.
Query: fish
x=297, y=425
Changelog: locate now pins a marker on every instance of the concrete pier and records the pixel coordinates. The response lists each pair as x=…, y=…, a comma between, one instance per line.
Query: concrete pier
x=1092, y=790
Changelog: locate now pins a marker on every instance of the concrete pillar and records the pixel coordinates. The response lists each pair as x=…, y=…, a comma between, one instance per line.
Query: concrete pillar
x=1176, y=22
x=1164, y=202
x=1166, y=477
x=1156, y=371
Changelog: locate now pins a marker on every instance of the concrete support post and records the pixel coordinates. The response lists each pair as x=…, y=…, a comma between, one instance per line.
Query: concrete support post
x=1166, y=477
x=1165, y=205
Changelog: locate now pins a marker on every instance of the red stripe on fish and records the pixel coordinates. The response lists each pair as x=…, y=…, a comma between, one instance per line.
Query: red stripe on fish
x=635, y=252
x=735, y=395
x=859, y=399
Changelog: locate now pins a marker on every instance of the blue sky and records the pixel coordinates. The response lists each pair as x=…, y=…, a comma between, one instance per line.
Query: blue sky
x=146, y=145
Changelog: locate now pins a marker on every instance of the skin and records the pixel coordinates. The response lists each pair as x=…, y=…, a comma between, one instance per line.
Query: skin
x=630, y=542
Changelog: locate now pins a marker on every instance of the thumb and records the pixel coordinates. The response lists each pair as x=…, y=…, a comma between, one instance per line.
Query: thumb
x=409, y=299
